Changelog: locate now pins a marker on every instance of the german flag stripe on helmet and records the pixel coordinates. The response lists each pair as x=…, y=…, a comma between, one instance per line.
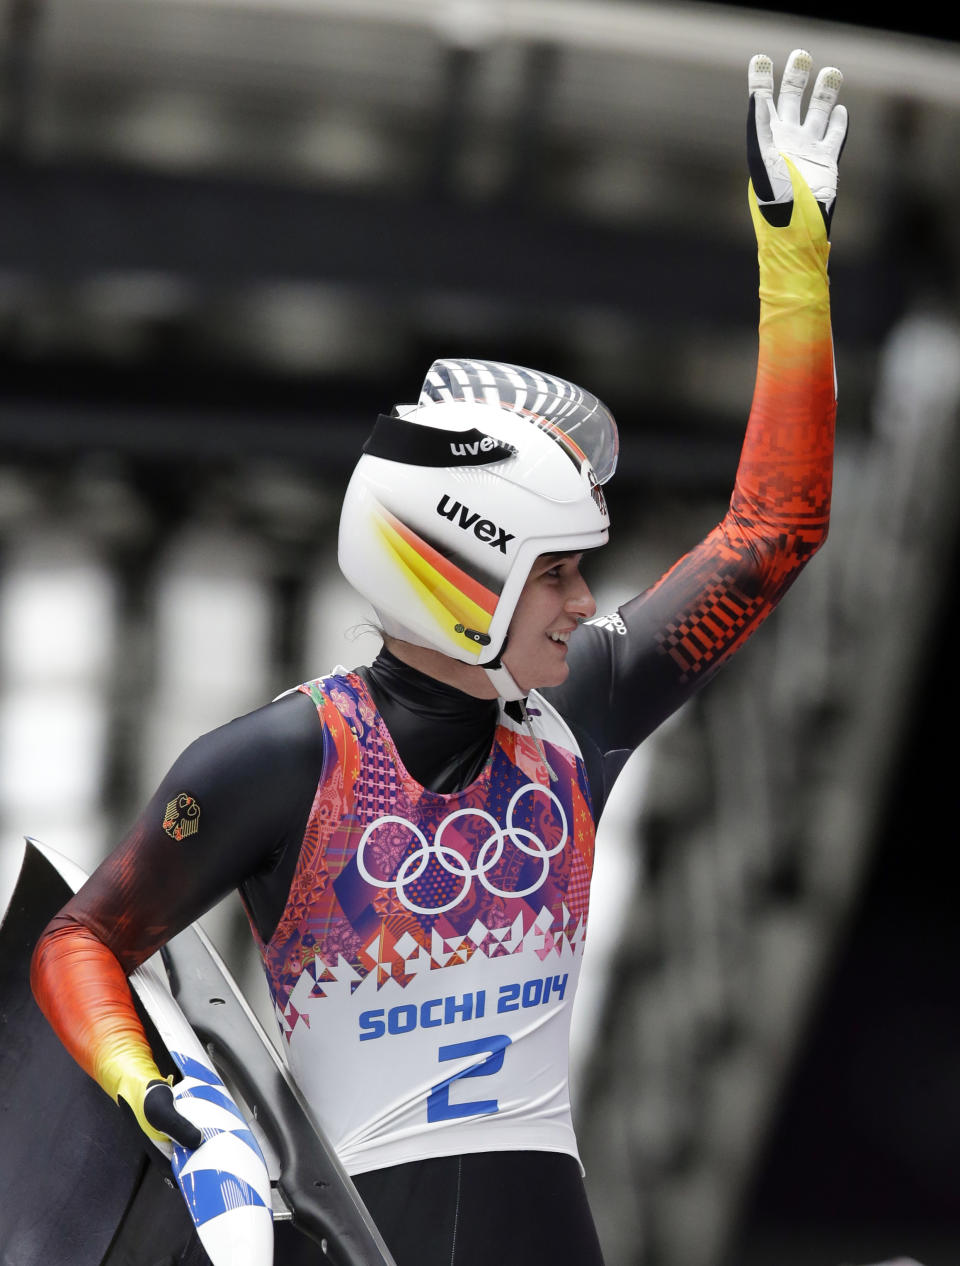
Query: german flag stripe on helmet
x=452, y=595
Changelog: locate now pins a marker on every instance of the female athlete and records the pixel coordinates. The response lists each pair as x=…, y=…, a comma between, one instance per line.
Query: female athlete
x=413, y=839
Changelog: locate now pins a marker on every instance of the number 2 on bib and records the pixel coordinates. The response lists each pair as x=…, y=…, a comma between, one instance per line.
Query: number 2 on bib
x=439, y=1107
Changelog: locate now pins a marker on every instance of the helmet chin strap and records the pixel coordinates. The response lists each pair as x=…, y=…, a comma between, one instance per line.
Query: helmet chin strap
x=504, y=684
x=510, y=692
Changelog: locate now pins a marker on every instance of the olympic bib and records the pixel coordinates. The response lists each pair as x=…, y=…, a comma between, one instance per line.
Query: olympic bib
x=437, y=939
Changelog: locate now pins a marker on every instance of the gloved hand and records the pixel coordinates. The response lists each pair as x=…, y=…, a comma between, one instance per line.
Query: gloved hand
x=160, y=1110
x=153, y=1105
x=775, y=133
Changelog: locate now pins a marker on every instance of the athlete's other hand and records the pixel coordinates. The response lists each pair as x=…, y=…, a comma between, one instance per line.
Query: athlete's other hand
x=775, y=132
x=157, y=1114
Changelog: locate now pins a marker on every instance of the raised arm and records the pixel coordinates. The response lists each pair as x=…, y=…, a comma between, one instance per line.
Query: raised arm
x=631, y=670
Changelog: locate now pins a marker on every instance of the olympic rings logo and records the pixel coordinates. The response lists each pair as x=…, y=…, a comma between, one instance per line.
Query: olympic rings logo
x=455, y=864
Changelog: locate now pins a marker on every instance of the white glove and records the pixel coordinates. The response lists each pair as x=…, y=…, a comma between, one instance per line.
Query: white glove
x=775, y=132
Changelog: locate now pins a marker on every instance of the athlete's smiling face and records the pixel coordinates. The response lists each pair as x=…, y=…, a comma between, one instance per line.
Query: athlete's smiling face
x=552, y=603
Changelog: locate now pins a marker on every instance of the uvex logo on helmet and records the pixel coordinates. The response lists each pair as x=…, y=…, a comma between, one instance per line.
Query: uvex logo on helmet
x=486, y=444
x=470, y=520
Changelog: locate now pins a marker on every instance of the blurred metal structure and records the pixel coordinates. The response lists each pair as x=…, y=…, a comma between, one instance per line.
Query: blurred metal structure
x=231, y=232
x=305, y=192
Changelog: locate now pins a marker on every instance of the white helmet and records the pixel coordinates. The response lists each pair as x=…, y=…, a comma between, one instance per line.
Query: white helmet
x=455, y=497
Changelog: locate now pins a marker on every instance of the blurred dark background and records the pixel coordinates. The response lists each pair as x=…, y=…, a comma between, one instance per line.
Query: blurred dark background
x=232, y=232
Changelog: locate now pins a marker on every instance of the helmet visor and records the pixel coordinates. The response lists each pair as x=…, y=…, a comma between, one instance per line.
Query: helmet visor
x=580, y=423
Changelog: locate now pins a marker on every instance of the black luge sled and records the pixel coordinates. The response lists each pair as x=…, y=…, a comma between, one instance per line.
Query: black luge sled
x=79, y=1183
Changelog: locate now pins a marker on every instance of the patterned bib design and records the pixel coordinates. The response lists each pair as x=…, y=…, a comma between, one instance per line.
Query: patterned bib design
x=415, y=916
